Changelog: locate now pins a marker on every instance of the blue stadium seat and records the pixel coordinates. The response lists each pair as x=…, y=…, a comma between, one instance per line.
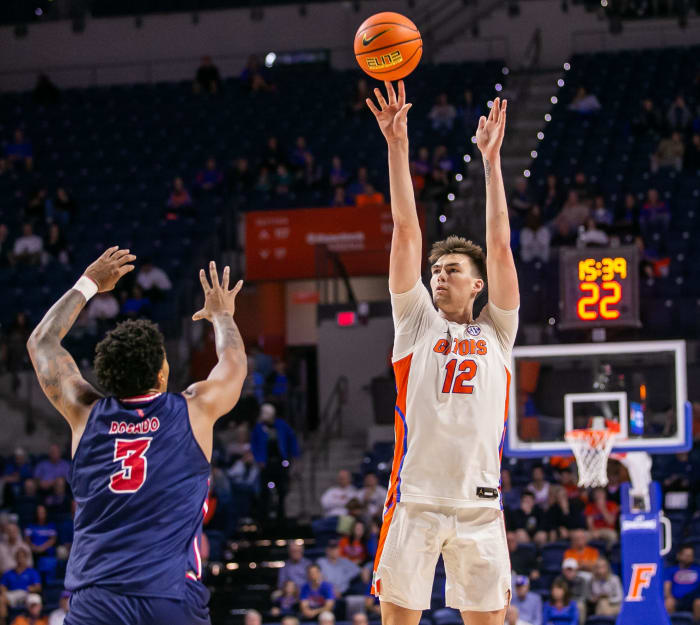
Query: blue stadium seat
x=600, y=620
x=682, y=618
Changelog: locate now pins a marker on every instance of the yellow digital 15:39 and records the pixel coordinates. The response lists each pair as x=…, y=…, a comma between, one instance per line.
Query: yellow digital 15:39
x=590, y=269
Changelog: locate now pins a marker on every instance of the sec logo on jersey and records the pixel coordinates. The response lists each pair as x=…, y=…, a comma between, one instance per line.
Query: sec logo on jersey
x=473, y=330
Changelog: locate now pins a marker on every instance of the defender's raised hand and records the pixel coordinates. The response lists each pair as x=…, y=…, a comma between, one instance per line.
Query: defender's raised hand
x=391, y=115
x=217, y=297
x=106, y=271
x=489, y=134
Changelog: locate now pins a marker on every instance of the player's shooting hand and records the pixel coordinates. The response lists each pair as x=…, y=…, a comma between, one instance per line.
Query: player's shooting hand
x=489, y=134
x=218, y=299
x=106, y=271
x=391, y=115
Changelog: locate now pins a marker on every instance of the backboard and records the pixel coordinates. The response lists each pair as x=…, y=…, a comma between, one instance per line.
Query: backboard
x=557, y=388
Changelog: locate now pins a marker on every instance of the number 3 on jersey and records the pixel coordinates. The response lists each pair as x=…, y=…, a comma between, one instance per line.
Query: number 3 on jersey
x=131, y=453
x=468, y=369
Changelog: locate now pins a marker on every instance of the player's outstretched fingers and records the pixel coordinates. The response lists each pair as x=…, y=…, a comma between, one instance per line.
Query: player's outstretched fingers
x=402, y=93
x=124, y=269
x=237, y=288
x=198, y=315
x=224, y=280
x=204, y=281
x=371, y=107
x=482, y=122
x=380, y=98
x=391, y=94
x=109, y=251
x=496, y=109
x=401, y=115
x=213, y=274
x=124, y=258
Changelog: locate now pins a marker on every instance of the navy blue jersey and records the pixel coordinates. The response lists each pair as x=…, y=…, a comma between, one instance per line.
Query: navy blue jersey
x=140, y=481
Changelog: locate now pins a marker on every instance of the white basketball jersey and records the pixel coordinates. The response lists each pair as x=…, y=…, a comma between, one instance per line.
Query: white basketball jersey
x=453, y=382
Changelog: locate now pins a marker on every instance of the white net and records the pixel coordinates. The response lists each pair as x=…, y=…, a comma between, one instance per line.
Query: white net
x=592, y=449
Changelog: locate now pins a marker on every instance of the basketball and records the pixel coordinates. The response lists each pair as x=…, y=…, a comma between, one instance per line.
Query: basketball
x=388, y=46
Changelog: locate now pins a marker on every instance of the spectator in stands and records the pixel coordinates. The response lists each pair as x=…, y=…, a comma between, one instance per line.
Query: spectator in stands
x=601, y=517
x=337, y=176
x=55, y=246
x=572, y=215
x=691, y=156
x=539, y=487
x=35, y=209
x=520, y=201
x=669, y=153
x=442, y=159
x=275, y=447
x=534, y=238
x=336, y=498
x=358, y=104
x=263, y=183
x=20, y=151
x=682, y=584
x=523, y=559
x=627, y=216
x=513, y=617
x=359, y=618
x=245, y=474
x=583, y=187
x=577, y=581
x=277, y=382
x=337, y=571
x=179, y=200
x=340, y=197
x=273, y=155
x=63, y=207
x=17, y=357
x=679, y=473
x=527, y=521
x=32, y=614
x=17, y=583
x=295, y=567
x=420, y=168
x=208, y=78
x=135, y=304
x=310, y=176
x=470, y=112
x=564, y=513
x=41, y=535
x=283, y=180
x=354, y=546
x=10, y=545
x=28, y=248
x=298, y=156
x=252, y=617
x=604, y=592
x=5, y=246
x=655, y=215
x=58, y=501
x=585, y=555
x=602, y=215
x=357, y=186
x=255, y=77
x=529, y=604
x=560, y=609
x=210, y=178
x=289, y=620
x=372, y=495
x=16, y=471
x=103, y=307
x=679, y=115
x=59, y=614
x=590, y=235
x=241, y=178
x=649, y=120
x=52, y=469
x=552, y=197
x=326, y=618
x=509, y=494
x=316, y=594
x=287, y=601
x=45, y=92
x=442, y=115
x=153, y=280
x=584, y=102
x=370, y=197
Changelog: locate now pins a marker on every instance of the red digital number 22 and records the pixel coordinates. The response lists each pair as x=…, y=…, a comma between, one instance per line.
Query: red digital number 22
x=134, y=465
x=468, y=368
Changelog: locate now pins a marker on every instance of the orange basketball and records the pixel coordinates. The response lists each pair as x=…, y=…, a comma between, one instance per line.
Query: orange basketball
x=388, y=46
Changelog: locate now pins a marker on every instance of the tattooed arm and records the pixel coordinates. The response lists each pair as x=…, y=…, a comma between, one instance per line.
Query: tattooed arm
x=217, y=395
x=500, y=265
x=58, y=374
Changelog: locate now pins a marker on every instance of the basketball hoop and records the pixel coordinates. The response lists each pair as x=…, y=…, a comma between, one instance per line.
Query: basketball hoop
x=592, y=447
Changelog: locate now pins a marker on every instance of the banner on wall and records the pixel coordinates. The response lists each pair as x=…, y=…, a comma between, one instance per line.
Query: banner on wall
x=284, y=244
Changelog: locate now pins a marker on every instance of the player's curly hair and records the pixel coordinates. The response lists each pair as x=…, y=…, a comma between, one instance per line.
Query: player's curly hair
x=129, y=357
x=459, y=245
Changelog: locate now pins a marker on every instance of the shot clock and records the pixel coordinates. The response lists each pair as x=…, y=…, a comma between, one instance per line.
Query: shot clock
x=599, y=287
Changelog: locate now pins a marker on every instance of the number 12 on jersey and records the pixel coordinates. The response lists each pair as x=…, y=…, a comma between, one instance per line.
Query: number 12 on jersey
x=458, y=384
x=131, y=453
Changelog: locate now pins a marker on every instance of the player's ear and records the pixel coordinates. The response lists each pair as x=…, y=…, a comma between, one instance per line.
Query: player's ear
x=478, y=285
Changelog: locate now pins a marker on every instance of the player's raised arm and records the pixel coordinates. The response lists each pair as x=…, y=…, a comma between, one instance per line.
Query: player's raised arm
x=58, y=374
x=500, y=266
x=217, y=395
x=406, y=241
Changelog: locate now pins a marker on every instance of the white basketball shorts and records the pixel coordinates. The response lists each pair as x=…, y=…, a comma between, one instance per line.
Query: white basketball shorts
x=473, y=545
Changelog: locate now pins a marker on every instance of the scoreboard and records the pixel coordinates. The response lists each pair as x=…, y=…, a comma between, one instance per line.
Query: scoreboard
x=599, y=287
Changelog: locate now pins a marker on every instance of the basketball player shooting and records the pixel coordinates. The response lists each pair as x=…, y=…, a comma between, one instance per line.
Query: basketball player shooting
x=452, y=383
x=141, y=455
